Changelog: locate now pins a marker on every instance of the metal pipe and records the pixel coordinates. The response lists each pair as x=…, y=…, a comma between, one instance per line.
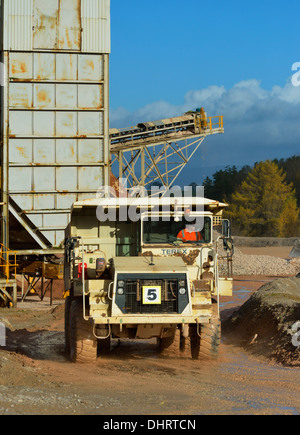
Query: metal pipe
x=83, y=280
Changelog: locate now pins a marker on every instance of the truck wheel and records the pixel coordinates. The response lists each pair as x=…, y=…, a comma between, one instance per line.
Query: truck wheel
x=83, y=343
x=206, y=347
x=170, y=346
x=67, y=324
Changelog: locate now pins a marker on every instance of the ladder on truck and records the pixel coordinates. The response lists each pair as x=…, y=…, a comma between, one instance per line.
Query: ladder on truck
x=158, y=151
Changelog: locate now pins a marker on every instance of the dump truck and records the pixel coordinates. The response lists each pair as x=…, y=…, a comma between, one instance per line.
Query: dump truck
x=146, y=268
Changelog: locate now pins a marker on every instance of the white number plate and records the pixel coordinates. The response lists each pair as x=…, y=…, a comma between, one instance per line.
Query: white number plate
x=151, y=295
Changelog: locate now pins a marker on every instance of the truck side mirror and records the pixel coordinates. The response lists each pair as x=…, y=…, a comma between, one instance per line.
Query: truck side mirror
x=226, y=229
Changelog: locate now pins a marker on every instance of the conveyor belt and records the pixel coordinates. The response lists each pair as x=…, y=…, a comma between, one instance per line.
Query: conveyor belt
x=188, y=126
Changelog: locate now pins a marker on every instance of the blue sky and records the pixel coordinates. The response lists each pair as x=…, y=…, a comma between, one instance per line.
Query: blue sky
x=232, y=57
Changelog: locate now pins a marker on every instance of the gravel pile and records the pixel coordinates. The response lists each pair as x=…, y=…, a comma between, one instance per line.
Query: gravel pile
x=268, y=323
x=244, y=264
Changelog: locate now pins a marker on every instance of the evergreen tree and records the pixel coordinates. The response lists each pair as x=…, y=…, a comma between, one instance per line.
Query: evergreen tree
x=265, y=204
x=224, y=183
x=291, y=167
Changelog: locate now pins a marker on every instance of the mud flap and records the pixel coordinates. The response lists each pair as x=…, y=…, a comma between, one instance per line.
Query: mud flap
x=225, y=286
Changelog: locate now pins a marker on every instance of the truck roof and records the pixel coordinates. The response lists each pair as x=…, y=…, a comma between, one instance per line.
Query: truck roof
x=152, y=202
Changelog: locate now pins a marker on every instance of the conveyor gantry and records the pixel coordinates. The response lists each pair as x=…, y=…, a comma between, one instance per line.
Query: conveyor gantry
x=141, y=151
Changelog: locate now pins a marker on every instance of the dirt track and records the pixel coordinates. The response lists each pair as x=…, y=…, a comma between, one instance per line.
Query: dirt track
x=37, y=379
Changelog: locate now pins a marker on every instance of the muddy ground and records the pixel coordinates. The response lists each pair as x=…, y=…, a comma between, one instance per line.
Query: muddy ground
x=36, y=378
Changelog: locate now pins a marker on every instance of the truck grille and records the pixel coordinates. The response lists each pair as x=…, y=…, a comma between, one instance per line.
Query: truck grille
x=134, y=297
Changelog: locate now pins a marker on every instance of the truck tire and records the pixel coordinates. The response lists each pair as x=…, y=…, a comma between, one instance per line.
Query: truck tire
x=83, y=343
x=206, y=347
x=67, y=324
x=170, y=346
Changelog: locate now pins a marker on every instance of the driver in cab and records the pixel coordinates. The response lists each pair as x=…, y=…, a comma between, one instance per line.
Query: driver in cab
x=190, y=234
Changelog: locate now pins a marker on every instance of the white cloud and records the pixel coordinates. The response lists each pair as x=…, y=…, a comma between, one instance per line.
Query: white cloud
x=259, y=123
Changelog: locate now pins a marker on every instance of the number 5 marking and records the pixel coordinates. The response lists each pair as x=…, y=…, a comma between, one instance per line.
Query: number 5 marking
x=151, y=295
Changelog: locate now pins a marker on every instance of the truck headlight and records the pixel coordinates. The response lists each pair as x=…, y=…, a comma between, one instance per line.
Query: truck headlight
x=120, y=291
x=181, y=283
x=182, y=291
x=121, y=284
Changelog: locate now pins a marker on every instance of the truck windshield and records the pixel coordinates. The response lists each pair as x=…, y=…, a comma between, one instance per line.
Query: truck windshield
x=159, y=232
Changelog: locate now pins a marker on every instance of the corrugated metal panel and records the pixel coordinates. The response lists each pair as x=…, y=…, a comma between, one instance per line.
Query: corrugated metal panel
x=72, y=25
x=57, y=25
x=69, y=25
x=18, y=22
x=95, y=22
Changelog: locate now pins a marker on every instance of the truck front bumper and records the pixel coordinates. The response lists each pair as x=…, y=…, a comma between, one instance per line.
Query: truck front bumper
x=152, y=320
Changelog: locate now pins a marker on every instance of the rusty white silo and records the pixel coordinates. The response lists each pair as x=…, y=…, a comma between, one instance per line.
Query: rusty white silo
x=54, y=112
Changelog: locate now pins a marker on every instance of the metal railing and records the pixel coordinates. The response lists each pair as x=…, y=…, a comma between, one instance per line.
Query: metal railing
x=215, y=122
x=8, y=269
x=209, y=124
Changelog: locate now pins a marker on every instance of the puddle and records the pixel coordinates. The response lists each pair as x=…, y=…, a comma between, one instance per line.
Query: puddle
x=40, y=345
x=239, y=297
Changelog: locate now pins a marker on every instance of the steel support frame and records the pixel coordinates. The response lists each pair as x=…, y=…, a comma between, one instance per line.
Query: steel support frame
x=161, y=163
x=46, y=284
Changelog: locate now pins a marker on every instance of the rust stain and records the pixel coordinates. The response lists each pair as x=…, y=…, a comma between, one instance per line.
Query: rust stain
x=18, y=68
x=91, y=65
x=201, y=307
x=21, y=102
x=97, y=103
x=69, y=42
x=43, y=97
x=69, y=121
x=22, y=80
x=78, y=42
x=207, y=275
x=203, y=286
x=22, y=151
x=190, y=258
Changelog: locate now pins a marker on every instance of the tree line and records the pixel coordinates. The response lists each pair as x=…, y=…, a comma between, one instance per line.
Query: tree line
x=264, y=199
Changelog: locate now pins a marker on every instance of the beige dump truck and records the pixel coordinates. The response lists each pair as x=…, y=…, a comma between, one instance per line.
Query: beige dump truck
x=145, y=268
